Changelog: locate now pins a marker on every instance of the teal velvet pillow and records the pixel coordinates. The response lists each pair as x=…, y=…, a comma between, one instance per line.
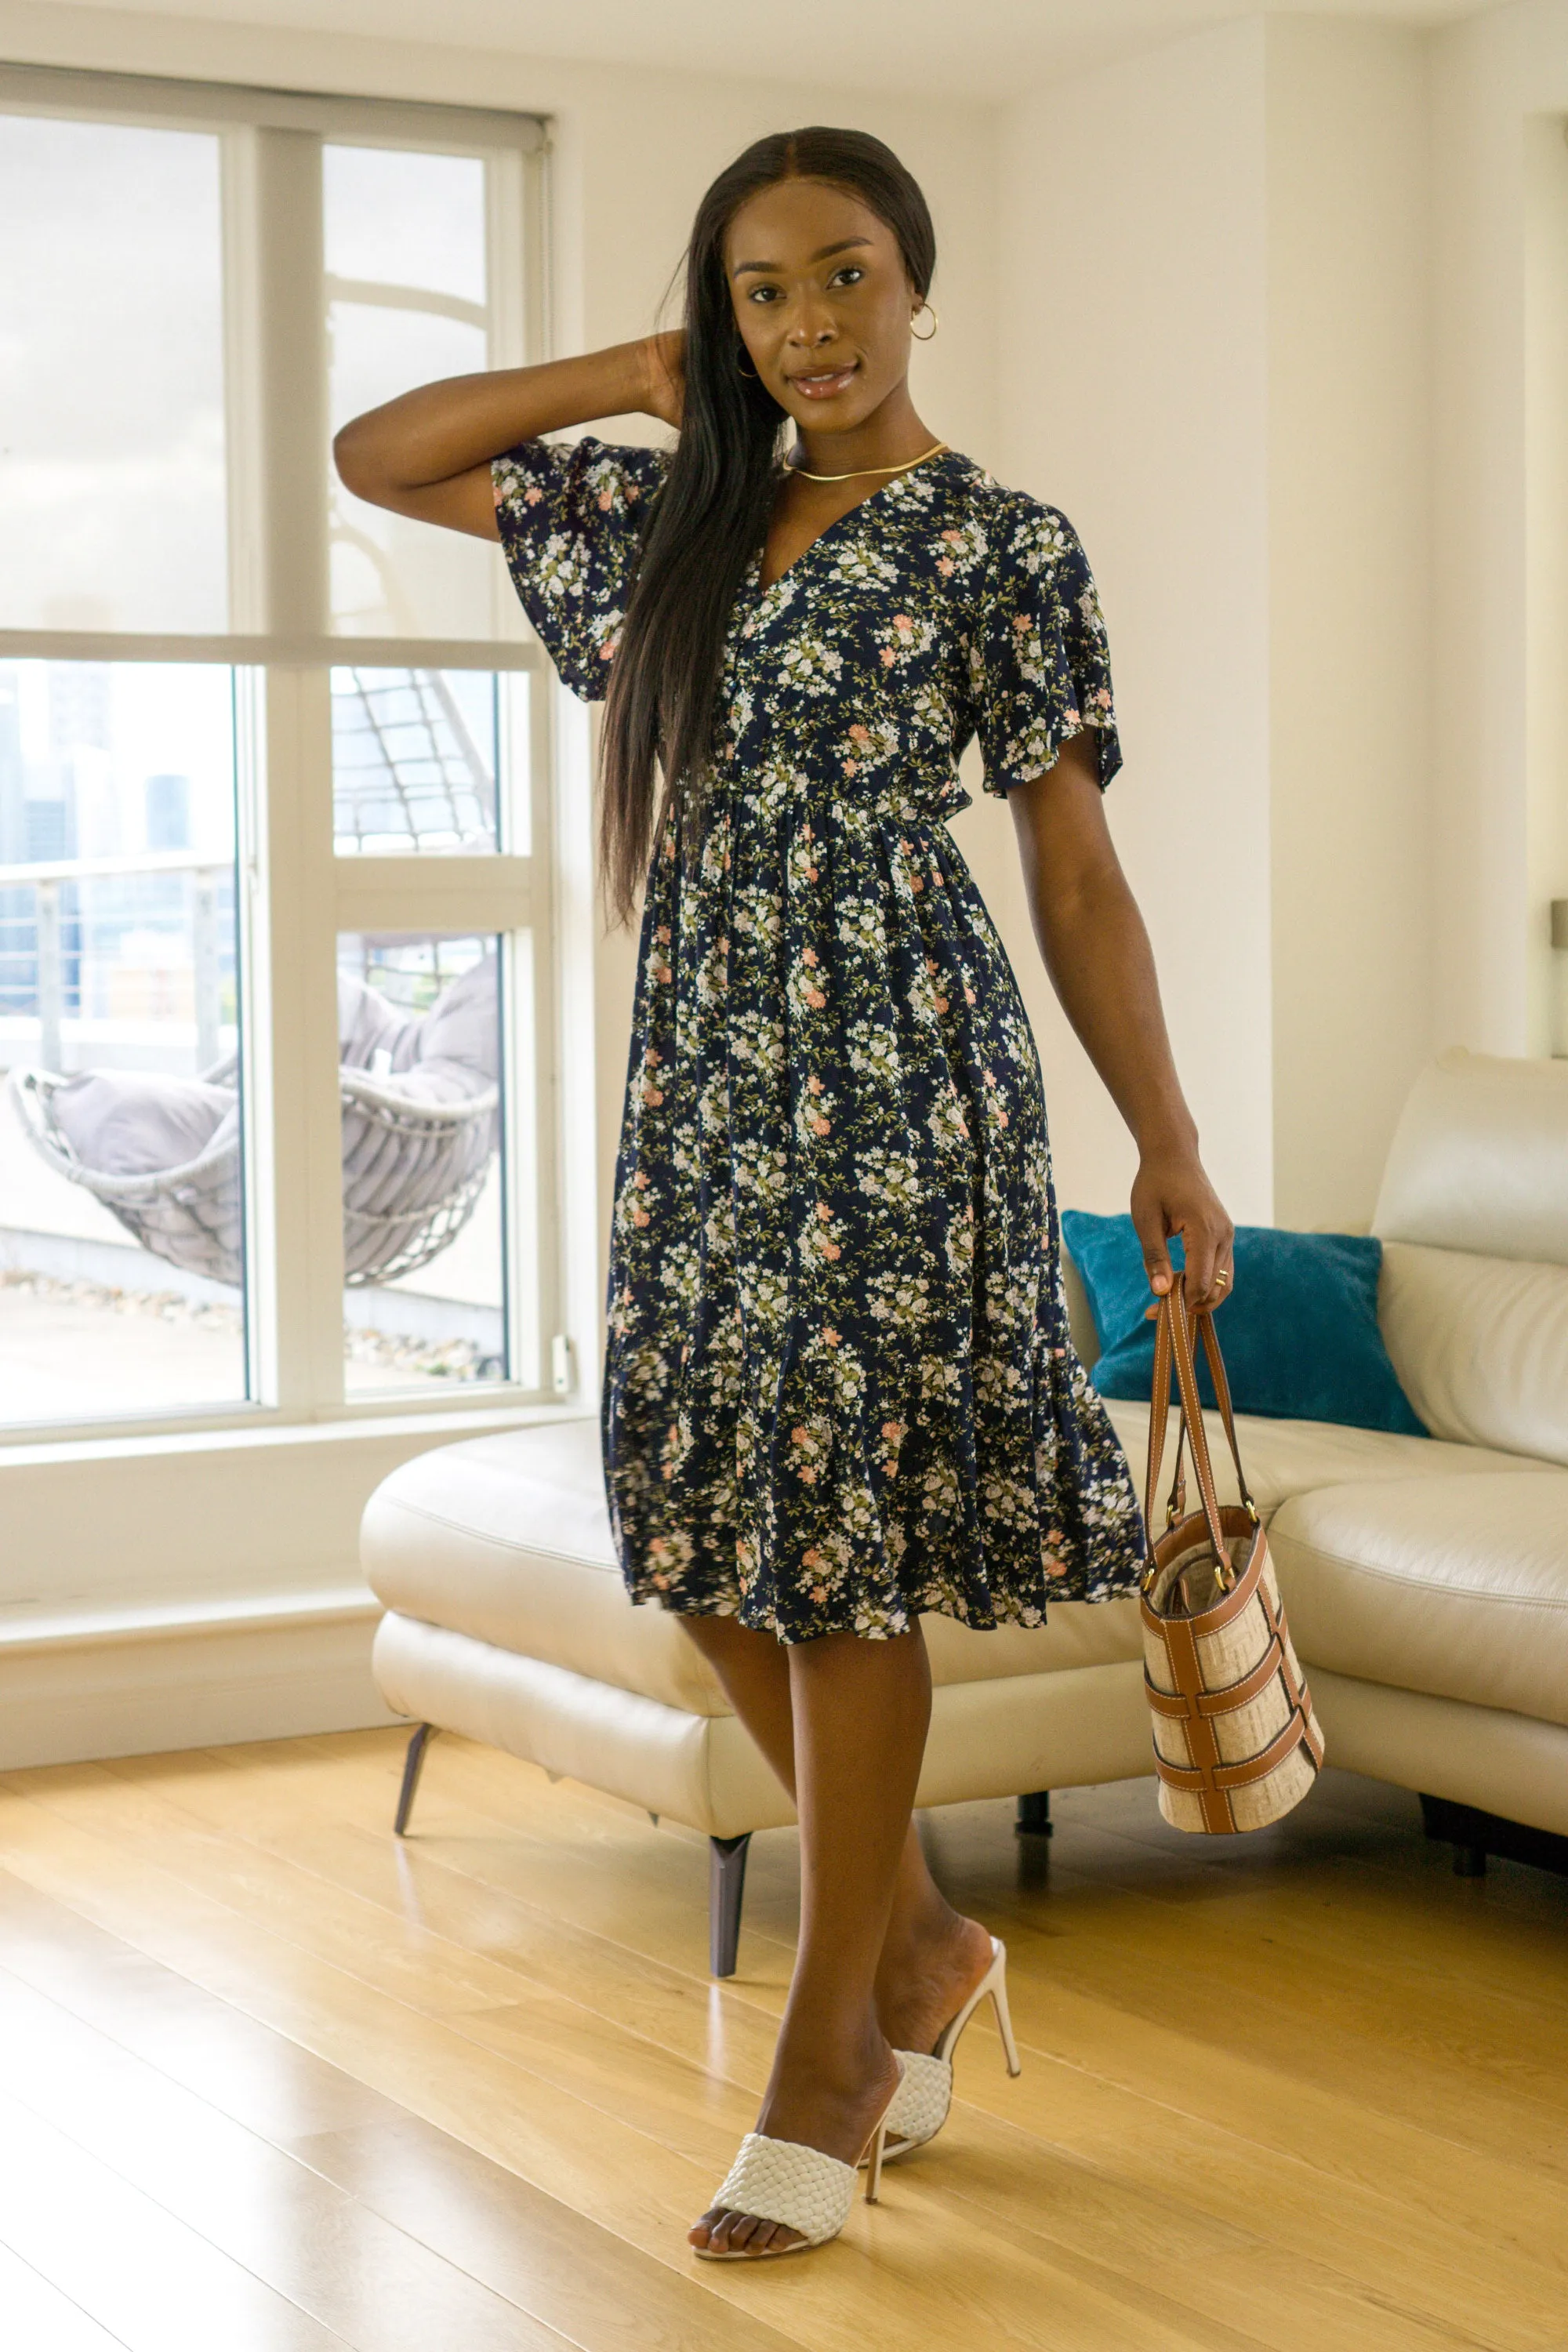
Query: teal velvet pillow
x=1300, y=1331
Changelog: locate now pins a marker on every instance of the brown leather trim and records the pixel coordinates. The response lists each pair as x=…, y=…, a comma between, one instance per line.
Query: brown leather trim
x=1210, y=1338
x=1230, y=1696
x=1192, y=1410
x=1258, y=1767
x=1182, y=1538
x=1180, y=1652
x=1238, y=1776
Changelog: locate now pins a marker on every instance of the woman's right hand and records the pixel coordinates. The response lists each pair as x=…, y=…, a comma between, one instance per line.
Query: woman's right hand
x=665, y=358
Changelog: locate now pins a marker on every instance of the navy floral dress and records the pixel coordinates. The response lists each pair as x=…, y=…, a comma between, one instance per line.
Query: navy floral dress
x=839, y=1389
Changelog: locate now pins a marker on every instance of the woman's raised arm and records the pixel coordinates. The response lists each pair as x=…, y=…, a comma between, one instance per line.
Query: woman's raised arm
x=427, y=453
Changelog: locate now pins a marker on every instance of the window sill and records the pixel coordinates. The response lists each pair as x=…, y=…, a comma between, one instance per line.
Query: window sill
x=257, y=1430
x=34, y=1631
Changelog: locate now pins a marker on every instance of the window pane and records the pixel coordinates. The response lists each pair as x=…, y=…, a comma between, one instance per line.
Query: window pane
x=400, y=219
x=113, y=503
x=121, y=1245
x=406, y=259
x=424, y=1218
x=416, y=758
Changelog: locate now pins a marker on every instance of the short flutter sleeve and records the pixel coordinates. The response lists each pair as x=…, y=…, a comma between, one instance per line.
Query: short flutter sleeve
x=1042, y=666
x=570, y=521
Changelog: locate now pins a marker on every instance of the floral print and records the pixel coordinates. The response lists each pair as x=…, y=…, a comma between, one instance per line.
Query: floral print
x=839, y=1389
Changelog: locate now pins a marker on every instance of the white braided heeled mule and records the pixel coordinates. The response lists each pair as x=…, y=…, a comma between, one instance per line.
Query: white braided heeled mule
x=921, y=2101
x=801, y=2188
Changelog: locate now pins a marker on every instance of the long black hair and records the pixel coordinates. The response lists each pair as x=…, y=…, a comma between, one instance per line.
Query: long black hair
x=712, y=515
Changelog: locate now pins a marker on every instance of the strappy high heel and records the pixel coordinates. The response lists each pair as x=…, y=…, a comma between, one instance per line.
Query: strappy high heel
x=801, y=2188
x=921, y=2103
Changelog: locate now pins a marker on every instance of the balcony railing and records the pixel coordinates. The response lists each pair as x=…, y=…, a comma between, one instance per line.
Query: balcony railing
x=38, y=969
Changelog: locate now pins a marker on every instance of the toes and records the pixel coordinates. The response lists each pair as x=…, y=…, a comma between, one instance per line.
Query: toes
x=703, y=2231
x=722, y=2231
x=720, y=2234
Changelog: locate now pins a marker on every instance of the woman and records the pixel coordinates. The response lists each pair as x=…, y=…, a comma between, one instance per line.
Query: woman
x=839, y=1390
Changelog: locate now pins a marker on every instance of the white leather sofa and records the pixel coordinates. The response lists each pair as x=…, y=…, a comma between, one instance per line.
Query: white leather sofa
x=1426, y=1579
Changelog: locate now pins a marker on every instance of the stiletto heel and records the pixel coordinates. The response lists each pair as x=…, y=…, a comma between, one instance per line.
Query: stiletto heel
x=1004, y=2022
x=874, y=2161
x=924, y=2098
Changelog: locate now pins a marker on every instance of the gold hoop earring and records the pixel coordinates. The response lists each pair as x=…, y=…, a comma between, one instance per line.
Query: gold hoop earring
x=740, y=367
x=935, y=323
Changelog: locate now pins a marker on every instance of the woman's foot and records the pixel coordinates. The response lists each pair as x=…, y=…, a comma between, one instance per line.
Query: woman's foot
x=820, y=2099
x=930, y=1967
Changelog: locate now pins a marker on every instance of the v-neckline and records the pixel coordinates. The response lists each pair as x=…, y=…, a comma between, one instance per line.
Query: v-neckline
x=764, y=591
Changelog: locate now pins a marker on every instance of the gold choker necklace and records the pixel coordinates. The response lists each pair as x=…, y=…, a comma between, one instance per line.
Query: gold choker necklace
x=909, y=463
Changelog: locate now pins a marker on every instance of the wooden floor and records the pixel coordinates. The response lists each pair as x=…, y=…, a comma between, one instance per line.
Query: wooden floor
x=271, y=2081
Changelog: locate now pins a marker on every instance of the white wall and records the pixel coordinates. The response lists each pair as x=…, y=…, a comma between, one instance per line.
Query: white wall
x=1501, y=395
x=1212, y=328
x=1133, y=375
x=1546, y=571
x=1348, y=572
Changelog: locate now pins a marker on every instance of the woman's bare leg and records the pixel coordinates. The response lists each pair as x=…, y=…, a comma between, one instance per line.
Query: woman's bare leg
x=854, y=1715
x=932, y=1957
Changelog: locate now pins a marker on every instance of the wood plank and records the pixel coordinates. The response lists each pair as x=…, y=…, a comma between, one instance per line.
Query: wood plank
x=148, y=2280
x=526, y=1976
x=253, y=2076
x=1085, y=2215
x=1510, y=2201
x=42, y=2319
x=268, y=2211
x=1340, y=1871
x=902, y=2270
x=584, y=2060
x=522, y=2243
x=1304, y=2121
x=1432, y=2058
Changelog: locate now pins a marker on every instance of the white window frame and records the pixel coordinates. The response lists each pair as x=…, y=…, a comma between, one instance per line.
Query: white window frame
x=295, y=896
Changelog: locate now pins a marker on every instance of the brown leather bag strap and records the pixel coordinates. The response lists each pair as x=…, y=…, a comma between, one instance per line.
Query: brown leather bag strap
x=1159, y=1419
x=1210, y=1338
x=1174, y=1312
x=1176, y=1502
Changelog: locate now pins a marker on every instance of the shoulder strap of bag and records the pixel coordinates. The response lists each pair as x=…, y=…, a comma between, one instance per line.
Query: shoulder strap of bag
x=1173, y=1351
x=1159, y=1421
x=1159, y=1414
x=1210, y=1338
x=1197, y=1436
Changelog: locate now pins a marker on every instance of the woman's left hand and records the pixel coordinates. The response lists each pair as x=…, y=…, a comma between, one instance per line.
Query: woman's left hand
x=1173, y=1195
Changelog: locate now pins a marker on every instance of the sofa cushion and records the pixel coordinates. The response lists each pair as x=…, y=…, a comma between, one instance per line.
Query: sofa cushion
x=1480, y=1160
x=1457, y=1587
x=1282, y=1458
x=1300, y=1333
x=1480, y=1345
x=506, y=1538
x=1077, y=1633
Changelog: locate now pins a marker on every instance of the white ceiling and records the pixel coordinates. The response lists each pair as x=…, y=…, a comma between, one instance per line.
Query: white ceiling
x=978, y=49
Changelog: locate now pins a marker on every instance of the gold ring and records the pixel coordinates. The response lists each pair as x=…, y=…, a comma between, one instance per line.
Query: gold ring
x=1222, y=1282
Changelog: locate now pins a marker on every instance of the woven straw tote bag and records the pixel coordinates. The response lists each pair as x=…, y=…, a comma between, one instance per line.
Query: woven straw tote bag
x=1235, y=1741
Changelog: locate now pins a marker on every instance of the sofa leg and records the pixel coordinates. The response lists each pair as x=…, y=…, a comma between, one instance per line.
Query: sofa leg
x=726, y=1889
x=1034, y=1815
x=1469, y=1861
x=413, y=1764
